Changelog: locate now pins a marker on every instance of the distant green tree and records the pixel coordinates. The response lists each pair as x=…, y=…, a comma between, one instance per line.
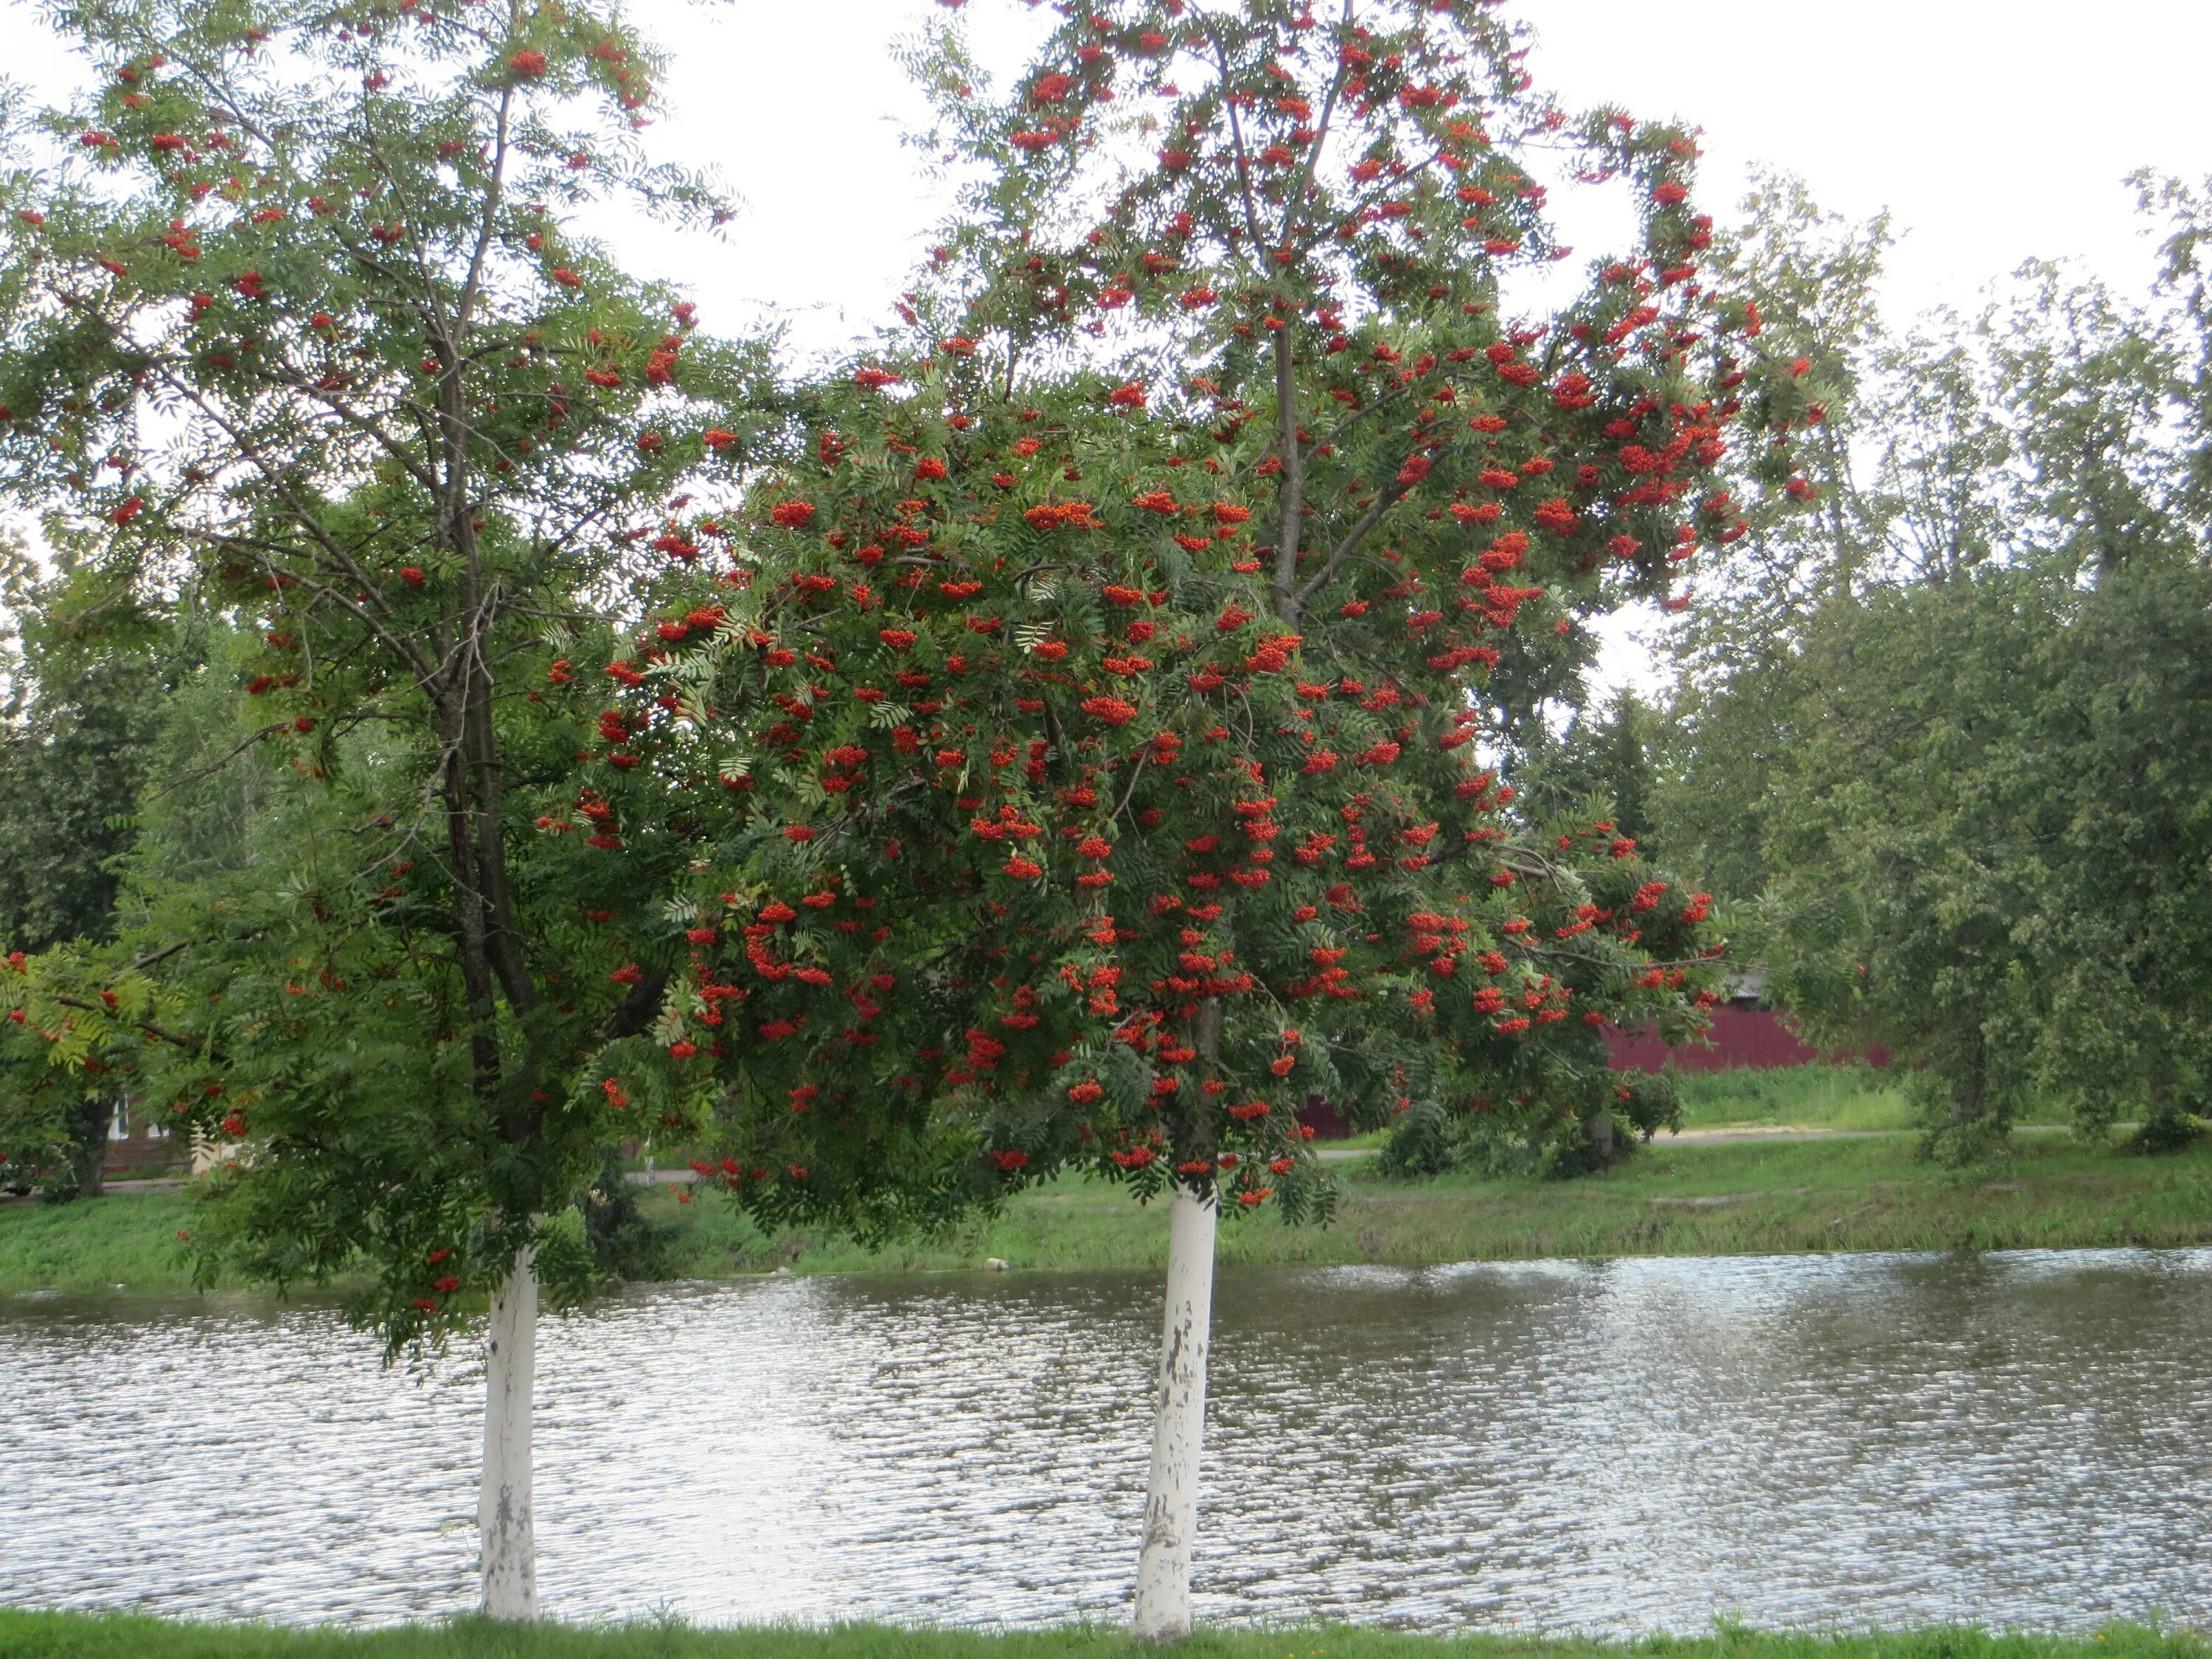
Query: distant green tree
x=1814, y=276
x=1603, y=762
x=1898, y=870
x=82, y=731
x=2118, y=738
x=1952, y=764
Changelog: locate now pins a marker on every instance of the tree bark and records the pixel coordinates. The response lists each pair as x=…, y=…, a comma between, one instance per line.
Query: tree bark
x=1599, y=1127
x=1163, y=1611
x=87, y=1151
x=509, y=1557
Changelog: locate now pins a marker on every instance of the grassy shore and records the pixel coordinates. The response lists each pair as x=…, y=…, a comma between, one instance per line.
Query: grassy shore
x=59, y=1636
x=1864, y=1195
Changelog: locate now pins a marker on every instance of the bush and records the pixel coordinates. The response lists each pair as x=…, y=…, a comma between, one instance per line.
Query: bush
x=1430, y=1139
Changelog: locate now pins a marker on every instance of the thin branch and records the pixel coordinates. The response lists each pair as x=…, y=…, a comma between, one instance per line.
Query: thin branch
x=1383, y=502
x=185, y=778
x=148, y=1026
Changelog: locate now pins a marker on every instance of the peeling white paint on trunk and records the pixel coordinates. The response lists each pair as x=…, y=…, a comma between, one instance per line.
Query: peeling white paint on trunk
x=1162, y=1612
x=509, y=1557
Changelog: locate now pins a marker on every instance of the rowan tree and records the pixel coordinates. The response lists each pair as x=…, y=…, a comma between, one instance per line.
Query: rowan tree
x=1166, y=553
x=295, y=315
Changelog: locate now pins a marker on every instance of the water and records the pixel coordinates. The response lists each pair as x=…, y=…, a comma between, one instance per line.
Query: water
x=1830, y=1442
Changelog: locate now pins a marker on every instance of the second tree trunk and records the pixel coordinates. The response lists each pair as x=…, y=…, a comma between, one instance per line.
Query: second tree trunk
x=509, y=1556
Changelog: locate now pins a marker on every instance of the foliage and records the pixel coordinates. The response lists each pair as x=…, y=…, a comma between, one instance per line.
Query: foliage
x=624, y=1242
x=1210, y=486
x=1604, y=762
x=80, y=735
x=1898, y=800
x=1426, y=1140
x=1813, y=276
x=1954, y=786
x=80, y=738
x=2119, y=745
x=294, y=323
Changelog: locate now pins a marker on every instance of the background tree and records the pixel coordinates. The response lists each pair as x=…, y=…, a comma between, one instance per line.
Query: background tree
x=1602, y=761
x=1812, y=277
x=1910, y=781
x=2119, y=743
x=1903, y=841
x=80, y=736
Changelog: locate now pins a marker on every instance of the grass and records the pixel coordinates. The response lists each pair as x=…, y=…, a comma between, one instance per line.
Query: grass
x=63, y=1636
x=1688, y=1200
x=94, y=1244
x=1756, y=1198
x=1797, y=1096
x=1808, y=1098
x=1854, y=1098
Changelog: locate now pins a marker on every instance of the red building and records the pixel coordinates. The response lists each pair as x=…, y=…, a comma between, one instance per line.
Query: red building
x=1743, y=1034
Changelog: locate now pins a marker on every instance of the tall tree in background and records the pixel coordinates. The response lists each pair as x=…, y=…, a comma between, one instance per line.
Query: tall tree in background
x=80, y=729
x=1902, y=847
x=2120, y=742
x=1949, y=782
x=1812, y=277
x=1603, y=760
x=79, y=737
x=300, y=320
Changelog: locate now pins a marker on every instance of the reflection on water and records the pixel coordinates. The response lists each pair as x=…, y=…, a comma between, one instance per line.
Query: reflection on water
x=1628, y=1445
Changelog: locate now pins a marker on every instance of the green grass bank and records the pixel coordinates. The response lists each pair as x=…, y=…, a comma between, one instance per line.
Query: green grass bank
x=61, y=1635
x=1745, y=1198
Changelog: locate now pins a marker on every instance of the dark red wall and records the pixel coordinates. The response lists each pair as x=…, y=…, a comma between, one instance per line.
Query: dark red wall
x=1755, y=1037
x=1323, y=1118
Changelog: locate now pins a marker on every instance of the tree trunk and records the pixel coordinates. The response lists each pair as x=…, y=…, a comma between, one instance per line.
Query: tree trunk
x=510, y=1543
x=87, y=1151
x=1171, y=1493
x=1969, y=1097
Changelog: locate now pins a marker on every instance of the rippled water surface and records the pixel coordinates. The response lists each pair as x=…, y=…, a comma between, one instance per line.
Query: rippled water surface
x=1632, y=1445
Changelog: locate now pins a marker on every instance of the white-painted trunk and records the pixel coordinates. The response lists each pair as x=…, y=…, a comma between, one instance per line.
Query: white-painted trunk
x=503, y=1507
x=1171, y=1495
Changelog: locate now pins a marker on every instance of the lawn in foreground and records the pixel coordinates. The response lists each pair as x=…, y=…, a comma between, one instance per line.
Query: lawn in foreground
x=61, y=1635
x=1756, y=1198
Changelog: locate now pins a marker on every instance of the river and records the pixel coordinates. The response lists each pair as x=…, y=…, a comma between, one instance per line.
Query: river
x=1832, y=1442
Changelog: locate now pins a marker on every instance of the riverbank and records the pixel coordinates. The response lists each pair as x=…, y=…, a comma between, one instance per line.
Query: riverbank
x=1773, y=1197
x=63, y=1636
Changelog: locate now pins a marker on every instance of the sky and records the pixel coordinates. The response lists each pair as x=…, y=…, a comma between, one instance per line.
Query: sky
x=1993, y=133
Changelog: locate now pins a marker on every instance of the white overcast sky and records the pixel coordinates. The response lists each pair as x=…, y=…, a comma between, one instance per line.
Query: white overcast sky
x=1993, y=132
